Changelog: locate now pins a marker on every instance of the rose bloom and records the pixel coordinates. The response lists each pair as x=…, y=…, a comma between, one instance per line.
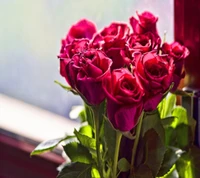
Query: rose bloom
x=143, y=42
x=85, y=71
x=178, y=53
x=75, y=47
x=67, y=52
x=146, y=23
x=82, y=29
x=112, y=40
x=124, y=99
x=114, y=33
x=155, y=74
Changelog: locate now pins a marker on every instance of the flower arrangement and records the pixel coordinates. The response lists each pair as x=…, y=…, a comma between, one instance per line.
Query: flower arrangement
x=131, y=126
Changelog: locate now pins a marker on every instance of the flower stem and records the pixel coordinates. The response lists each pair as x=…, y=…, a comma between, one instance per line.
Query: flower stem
x=97, y=130
x=138, y=129
x=116, y=155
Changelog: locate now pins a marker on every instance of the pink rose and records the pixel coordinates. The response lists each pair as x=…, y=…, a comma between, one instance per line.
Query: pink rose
x=82, y=29
x=146, y=23
x=178, y=53
x=112, y=40
x=124, y=99
x=85, y=71
x=155, y=74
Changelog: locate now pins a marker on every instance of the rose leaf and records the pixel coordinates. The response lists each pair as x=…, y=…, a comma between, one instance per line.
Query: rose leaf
x=85, y=140
x=48, y=145
x=123, y=165
x=172, y=154
x=154, y=151
x=76, y=170
x=78, y=153
x=152, y=121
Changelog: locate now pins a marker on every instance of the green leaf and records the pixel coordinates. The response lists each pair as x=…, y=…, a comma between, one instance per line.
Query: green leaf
x=95, y=173
x=76, y=170
x=78, y=153
x=82, y=116
x=109, y=136
x=152, y=120
x=123, y=165
x=166, y=106
x=170, y=136
x=189, y=163
x=172, y=154
x=143, y=172
x=85, y=140
x=183, y=136
x=86, y=130
x=180, y=113
x=66, y=87
x=46, y=146
x=166, y=122
x=180, y=137
x=169, y=105
x=172, y=173
x=154, y=151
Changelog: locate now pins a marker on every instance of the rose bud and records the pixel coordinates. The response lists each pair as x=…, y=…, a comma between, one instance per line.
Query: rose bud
x=82, y=29
x=124, y=99
x=85, y=72
x=178, y=54
x=155, y=74
x=146, y=23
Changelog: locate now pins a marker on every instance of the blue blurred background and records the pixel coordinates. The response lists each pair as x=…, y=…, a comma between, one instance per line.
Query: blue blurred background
x=30, y=35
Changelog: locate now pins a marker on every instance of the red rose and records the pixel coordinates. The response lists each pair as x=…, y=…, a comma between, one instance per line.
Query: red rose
x=82, y=29
x=67, y=52
x=112, y=40
x=146, y=23
x=142, y=42
x=76, y=46
x=175, y=50
x=178, y=53
x=85, y=71
x=124, y=99
x=155, y=74
x=114, y=34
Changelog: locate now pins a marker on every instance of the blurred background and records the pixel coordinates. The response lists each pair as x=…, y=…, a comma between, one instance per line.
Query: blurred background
x=30, y=36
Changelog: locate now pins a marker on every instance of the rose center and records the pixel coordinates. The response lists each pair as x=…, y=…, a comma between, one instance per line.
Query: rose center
x=126, y=85
x=157, y=70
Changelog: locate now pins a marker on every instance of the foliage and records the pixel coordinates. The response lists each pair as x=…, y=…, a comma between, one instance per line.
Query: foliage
x=165, y=148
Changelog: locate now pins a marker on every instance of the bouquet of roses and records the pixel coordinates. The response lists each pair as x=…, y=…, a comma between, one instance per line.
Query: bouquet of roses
x=131, y=125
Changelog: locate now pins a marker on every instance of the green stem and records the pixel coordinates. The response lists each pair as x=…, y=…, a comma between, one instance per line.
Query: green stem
x=138, y=129
x=97, y=130
x=116, y=155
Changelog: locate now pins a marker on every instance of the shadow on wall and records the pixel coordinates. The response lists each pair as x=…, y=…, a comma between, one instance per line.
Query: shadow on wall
x=30, y=37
